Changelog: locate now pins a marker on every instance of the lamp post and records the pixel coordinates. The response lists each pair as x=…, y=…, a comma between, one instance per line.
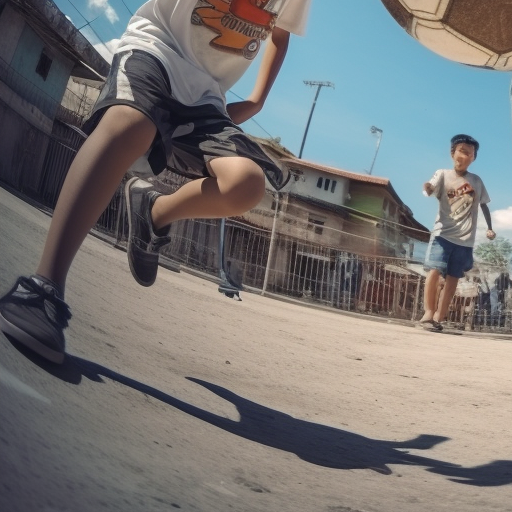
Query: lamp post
x=318, y=85
x=379, y=132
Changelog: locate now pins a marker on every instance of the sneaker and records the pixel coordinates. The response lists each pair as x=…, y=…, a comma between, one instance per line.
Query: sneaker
x=143, y=242
x=34, y=314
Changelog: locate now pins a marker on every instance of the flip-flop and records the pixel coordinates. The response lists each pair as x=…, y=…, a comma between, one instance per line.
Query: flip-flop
x=432, y=325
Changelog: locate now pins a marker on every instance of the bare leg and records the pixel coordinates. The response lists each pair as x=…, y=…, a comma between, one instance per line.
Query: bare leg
x=123, y=135
x=237, y=185
x=446, y=298
x=430, y=294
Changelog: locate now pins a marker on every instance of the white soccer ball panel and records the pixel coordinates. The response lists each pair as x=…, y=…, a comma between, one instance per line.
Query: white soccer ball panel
x=451, y=45
x=426, y=9
x=504, y=62
x=472, y=32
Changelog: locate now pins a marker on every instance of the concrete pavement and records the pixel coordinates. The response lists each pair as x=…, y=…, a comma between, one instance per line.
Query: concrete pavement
x=178, y=398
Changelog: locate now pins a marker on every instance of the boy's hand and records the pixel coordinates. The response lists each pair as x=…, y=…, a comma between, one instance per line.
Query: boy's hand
x=491, y=235
x=428, y=188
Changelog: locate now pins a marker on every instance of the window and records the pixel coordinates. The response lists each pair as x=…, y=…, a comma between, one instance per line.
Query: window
x=317, y=223
x=321, y=183
x=44, y=65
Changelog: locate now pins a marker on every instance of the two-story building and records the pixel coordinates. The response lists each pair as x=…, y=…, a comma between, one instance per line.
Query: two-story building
x=340, y=236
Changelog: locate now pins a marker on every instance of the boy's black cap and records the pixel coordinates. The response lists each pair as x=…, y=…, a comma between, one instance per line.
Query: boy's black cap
x=462, y=138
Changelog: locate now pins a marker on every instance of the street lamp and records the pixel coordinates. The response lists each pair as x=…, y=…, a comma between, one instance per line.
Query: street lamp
x=379, y=132
x=319, y=85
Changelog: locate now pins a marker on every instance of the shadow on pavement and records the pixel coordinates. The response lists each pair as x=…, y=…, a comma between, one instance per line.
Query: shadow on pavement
x=315, y=443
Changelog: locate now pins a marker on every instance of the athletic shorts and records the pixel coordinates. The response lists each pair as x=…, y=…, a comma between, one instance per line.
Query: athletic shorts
x=188, y=137
x=449, y=258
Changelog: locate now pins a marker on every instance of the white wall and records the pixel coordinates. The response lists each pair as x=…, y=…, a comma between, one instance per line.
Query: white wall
x=306, y=185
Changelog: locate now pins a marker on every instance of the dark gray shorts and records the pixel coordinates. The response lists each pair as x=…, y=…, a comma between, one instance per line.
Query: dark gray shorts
x=187, y=136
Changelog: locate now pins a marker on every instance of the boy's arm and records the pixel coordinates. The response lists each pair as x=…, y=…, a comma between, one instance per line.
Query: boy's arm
x=491, y=235
x=428, y=188
x=272, y=60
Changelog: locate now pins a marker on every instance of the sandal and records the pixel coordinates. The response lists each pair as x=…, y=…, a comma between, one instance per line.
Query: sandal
x=432, y=325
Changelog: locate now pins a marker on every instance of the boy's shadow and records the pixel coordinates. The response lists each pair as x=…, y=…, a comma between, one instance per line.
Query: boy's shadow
x=315, y=443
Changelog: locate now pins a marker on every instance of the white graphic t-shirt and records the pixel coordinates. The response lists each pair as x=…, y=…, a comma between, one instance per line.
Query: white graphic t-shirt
x=207, y=45
x=459, y=200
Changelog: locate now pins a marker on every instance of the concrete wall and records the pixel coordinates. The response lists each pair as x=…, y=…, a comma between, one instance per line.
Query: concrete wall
x=24, y=62
x=28, y=102
x=23, y=142
x=11, y=27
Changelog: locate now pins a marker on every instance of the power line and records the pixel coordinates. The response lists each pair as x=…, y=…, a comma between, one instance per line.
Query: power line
x=127, y=8
x=88, y=24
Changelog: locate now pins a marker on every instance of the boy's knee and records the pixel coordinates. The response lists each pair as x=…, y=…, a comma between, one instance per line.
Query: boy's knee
x=241, y=182
x=255, y=181
x=247, y=177
x=249, y=189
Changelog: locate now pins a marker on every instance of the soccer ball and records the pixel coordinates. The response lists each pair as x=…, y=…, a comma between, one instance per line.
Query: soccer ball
x=473, y=32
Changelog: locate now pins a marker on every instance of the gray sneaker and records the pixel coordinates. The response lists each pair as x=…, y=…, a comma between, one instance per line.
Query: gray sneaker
x=34, y=315
x=143, y=242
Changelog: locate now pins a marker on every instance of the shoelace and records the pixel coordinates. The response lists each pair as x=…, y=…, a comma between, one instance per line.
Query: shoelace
x=56, y=309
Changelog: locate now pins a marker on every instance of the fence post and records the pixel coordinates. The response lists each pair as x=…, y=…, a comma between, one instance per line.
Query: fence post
x=271, y=245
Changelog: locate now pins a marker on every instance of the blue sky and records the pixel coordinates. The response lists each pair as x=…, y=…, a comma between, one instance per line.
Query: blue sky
x=382, y=78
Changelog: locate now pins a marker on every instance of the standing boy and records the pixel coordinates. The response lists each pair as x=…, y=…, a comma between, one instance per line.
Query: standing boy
x=164, y=98
x=450, y=251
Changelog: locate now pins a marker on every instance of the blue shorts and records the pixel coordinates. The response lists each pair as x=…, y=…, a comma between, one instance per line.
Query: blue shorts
x=449, y=258
x=188, y=137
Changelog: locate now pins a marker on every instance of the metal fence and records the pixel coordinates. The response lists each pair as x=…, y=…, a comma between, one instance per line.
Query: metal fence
x=312, y=273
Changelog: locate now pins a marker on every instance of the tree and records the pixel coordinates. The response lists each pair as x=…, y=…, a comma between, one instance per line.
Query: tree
x=497, y=252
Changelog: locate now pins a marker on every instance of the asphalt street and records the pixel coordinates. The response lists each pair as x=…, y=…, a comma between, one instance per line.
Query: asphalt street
x=175, y=397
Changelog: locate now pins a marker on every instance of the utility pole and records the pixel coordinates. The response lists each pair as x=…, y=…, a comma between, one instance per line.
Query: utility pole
x=318, y=85
x=379, y=132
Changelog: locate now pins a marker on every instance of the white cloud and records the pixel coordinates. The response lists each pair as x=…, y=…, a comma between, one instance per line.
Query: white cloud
x=107, y=50
x=502, y=219
x=104, y=6
x=501, y=224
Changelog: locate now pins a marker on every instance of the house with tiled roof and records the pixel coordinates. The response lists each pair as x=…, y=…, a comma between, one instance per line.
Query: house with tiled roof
x=341, y=209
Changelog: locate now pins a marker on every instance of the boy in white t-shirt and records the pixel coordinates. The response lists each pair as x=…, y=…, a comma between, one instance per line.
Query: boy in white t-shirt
x=164, y=98
x=450, y=251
